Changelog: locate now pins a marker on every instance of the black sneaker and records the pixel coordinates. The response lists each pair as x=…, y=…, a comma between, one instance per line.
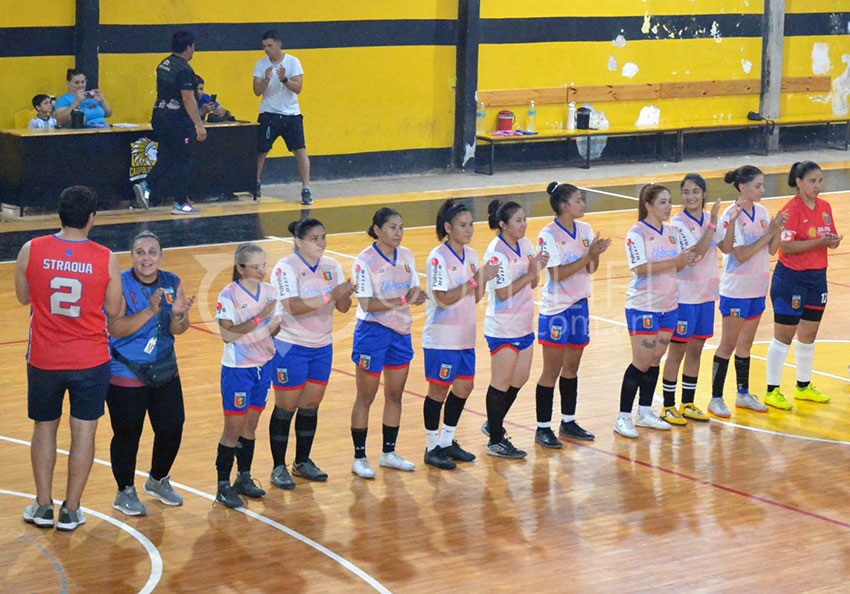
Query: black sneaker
x=306, y=197
x=572, y=430
x=281, y=479
x=437, y=457
x=457, y=453
x=505, y=449
x=228, y=496
x=247, y=486
x=546, y=437
x=308, y=470
x=485, y=428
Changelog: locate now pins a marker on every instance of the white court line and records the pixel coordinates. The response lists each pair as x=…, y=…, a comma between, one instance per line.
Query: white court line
x=345, y=563
x=604, y=193
x=153, y=552
x=780, y=434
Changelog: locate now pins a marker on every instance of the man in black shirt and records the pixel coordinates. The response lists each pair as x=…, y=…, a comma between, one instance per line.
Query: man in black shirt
x=177, y=125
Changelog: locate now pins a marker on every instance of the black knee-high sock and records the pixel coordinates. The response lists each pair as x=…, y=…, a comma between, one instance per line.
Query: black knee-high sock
x=631, y=382
x=224, y=462
x=306, y=422
x=719, y=367
x=358, y=436
x=279, y=424
x=742, y=374
x=689, y=388
x=390, y=437
x=669, y=390
x=244, y=454
x=495, y=413
x=510, y=397
x=454, y=407
x=544, y=397
x=568, y=387
x=431, y=414
x=647, y=386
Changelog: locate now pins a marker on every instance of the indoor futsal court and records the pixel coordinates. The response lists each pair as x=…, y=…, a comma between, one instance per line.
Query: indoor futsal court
x=755, y=503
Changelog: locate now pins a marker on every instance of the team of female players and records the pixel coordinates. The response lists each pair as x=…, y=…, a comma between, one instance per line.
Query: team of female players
x=280, y=333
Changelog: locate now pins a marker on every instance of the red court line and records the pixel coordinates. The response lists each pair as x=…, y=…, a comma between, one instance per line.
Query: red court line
x=24, y=341
x=669, y=471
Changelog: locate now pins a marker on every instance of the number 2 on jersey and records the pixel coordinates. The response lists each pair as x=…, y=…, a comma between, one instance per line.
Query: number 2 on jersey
x=68, y=293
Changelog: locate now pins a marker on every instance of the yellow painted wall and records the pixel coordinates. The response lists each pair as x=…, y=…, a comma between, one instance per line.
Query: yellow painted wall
x=499, y=9
x=48, y=13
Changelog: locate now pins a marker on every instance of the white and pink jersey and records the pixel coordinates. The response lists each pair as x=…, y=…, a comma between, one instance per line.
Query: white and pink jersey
x=564, y=247
x=646, y=244
x=745, y=280
x=294, y=277
x=452, y=327
x=237, y=304
x=698, y=283
x=513, y=317
x=378, y=277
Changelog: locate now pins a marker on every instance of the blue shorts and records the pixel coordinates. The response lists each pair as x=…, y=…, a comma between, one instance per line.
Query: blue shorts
x=444, y=366
x=650, y=322
x=749, y=309
x=694, y=321
x=570, y=328
x=87, y=390
x=245, y=387
x=517, y=344
x=293, y=365
x=792, y=291
x=376, y=347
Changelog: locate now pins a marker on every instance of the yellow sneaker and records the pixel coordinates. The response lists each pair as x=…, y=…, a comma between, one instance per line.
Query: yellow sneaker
x=673, y=416
x=776, y=399
x=690, y=411
x=811, y=394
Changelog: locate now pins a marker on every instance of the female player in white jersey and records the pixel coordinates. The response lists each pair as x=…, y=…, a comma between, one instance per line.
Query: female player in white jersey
x=747, y=236
x=310, y=286
x=456, y=283
x=245, y=317
x=698, y=286
x=654, y=256
x=799, y=290
x=386, y=285
x=509, y=322
x=564, y=323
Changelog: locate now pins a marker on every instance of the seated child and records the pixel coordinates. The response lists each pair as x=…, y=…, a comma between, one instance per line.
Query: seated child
x=44, y=106
x=208, y=107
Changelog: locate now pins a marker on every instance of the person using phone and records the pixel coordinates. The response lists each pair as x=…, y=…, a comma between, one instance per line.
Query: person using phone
x=92, y=102
x=208, y=105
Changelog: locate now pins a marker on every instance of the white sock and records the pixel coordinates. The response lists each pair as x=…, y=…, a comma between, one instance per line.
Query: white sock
x=625, y=416
x=433, y=438
x=447, y=436
x=645, y=411
x=544, y=425
x=805, y=360
x=777, y=353
x=567, y=418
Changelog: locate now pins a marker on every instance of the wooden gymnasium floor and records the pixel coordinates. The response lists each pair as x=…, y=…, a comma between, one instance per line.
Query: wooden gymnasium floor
x=755, y=503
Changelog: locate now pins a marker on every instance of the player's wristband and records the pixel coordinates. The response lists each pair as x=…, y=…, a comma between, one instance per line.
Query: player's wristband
x=404, y=299
x=326, y=298
x=284, y=80
x=257, y=320
x=474, y=283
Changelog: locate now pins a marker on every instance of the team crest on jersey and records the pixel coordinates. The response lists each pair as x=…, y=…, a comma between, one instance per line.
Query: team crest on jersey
x=406, y=268
x=445, y=371
x=672, y=240
x=365, y=362
x=556, y=332
x=239, y=399
x=827, y=221
x=735, y=312
x=763, y=223
x=682, y=327
x=328, y=275
x=647, y=321
x=472, y=268
x=585, y=242
x=435, y=262
x=69, y=253
x=282, y=375
x=169, y=296
x=540, y=241
x=795, y=301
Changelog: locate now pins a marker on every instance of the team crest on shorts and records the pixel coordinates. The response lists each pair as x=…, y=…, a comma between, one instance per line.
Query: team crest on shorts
x=647, y=321
x=239, y=399
x=735, y=312
x=556, y=332
x=795, y=301
x=282, y=375
x=682, y=327
x=445, y=371
x=365, y=362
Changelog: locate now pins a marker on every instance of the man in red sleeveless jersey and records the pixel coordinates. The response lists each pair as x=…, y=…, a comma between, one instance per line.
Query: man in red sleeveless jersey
x=71, y=285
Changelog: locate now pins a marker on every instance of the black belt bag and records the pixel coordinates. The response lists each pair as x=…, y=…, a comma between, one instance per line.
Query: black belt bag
x=155, y=374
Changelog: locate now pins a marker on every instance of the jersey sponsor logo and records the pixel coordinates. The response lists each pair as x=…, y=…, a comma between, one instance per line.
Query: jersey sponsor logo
x=327, y=275
x=218, y=307
x=365, y=362
x=240, y=399
x=647, y=321
x=813, y=232
x=725, y=224
x=556, y=332
x=66, y=266
x=282, y=375
x=682, y=327
x=541, y=242
x=796, y=300
x=435, y=262
x=445, y=371
x=632, y=251
x=278, y=272
x=787, y=235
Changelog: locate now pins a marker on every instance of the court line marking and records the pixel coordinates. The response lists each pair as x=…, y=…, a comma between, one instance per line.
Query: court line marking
x=153, y=552
x=345, y=563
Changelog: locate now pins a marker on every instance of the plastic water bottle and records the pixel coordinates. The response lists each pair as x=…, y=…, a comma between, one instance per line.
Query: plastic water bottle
x=571, y=116
x=531, y=123
x=481, y=119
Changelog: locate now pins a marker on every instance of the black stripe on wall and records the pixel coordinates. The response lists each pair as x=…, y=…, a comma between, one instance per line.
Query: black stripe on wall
x=143, y=39
x=826, y=23
x=16, y=42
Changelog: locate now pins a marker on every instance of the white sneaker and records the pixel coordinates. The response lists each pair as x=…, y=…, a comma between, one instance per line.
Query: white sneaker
x=718, y=408
x=184, y=209
x=652, y=421
x=751, y=402
x=625, y=427
x=393, y=460
x=362, y=468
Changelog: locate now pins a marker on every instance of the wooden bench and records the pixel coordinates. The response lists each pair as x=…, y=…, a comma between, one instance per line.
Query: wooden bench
x=647, y=92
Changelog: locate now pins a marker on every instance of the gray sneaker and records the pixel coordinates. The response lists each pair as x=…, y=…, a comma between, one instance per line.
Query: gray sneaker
x=751, y=402
x=142, y=194
x=127, y=502
x=308, y=470
x=162, y=490
x=228, y=496
x=281, y=478
x=718, y=408
x=247, y=486
x=39, y=515
x=69, y=519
